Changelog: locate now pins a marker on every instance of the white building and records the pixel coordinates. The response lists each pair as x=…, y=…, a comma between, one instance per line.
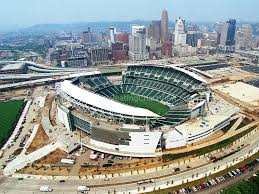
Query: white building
x=137, y=44
x=180, y=32
x=112, y=34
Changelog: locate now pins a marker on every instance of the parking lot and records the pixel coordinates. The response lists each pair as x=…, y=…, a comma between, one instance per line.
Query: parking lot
x=206, y=187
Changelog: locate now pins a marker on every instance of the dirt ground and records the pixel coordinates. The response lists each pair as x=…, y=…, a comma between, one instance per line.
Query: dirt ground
x=43, y=165
x=47, y=171
x=119, y=168
x=53, y=157
x=41, y=139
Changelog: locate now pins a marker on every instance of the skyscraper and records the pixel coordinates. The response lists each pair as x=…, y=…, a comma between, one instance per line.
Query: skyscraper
x=87, y=36
x=137, y=44
x=112, y=34
x=180, y=32
x=244, y=37
x=164, y=27
x=227, y=38
x=154, y=30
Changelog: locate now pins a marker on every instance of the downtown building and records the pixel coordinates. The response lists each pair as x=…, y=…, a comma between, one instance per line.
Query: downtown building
x=244, y=37
x=181, y=48
x=121, y=47
x=227, y=36
x=137, y=44
x=180, y=34
x=100, y=55
x=164, y=27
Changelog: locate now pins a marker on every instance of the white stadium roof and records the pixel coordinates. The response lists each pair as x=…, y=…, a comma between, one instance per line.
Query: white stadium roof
x=103, y=102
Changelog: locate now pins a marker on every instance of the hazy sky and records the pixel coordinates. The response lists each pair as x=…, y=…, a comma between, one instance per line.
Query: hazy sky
x=21, y=13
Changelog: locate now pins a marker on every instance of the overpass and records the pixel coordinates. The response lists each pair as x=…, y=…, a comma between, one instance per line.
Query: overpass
x=41, y=81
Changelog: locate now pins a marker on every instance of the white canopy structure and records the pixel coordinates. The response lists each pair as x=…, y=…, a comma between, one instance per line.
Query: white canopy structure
x=104, y=104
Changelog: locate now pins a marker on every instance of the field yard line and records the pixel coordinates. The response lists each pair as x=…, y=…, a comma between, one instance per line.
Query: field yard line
x=18, y=125
x=28, y=143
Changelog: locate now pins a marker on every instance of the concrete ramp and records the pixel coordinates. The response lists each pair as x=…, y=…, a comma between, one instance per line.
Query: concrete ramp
x=236, y=124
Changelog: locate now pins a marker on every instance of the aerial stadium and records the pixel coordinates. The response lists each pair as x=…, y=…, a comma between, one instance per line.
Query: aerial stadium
x=147, y=109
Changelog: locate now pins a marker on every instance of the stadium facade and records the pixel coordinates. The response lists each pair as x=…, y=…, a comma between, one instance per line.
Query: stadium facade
x=89, y=104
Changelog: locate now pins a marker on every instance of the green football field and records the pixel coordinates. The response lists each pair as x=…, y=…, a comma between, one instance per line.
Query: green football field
x=9, y=115
x=142, y=102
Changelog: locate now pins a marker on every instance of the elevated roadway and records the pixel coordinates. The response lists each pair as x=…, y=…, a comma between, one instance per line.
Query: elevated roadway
x=32, y=83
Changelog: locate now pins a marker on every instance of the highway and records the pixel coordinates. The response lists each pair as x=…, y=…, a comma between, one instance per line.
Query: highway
x=45, y=80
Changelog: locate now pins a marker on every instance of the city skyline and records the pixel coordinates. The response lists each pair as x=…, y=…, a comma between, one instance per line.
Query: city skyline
x=78, y=11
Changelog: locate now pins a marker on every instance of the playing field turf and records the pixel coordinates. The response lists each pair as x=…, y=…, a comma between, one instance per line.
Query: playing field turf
x=9, y=114
x=142, y=102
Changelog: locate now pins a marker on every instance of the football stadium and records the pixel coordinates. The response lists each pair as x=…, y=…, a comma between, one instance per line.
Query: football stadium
x=146, y=109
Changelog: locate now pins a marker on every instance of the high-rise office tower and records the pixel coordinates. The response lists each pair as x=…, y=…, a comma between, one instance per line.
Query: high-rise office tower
x=192, y=38
x=154, y=30
x=180, y=32
x=164, y=27
x=244, y=37
x=87, y=36
x=228, y=33
x=112, y=34
x=227, y=37
x=137, y=44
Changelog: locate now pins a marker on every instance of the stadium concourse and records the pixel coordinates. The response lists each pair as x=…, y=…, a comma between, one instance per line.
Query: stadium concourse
x=150, y=108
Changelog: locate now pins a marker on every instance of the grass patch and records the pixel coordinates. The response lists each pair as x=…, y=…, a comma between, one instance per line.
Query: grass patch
x=142, y=102
x=9, y=114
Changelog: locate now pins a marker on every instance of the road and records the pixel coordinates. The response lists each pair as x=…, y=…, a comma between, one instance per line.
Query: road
x=128, y=183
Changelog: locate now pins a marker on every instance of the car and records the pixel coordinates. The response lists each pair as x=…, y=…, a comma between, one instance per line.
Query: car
x=207, y=184
x=221, y=178
x=230, y=174
x=211, y=182
x=106, y=179
x=217, y=180
x=62, y=181
x=194, y=189
x=20, y=178
x=234, y=173
x=238, y=171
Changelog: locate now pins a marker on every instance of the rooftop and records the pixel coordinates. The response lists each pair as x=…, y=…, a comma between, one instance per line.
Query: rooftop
x=12, y=66
x=241, y=91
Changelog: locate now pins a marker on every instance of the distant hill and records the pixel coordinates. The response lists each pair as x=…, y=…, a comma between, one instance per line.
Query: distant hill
x=95, y=26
